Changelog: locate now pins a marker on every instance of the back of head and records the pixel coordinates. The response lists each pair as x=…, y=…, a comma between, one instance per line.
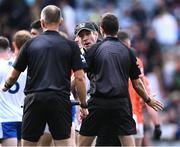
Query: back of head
x=36, y=28
x=36, y=24
x=51, y=14
x=4, y=43
x=122, y=35
x=109, y=24
x=20, y=37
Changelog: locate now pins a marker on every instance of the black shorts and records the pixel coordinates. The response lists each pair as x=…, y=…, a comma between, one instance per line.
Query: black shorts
x=46, y=107
x=105, y=122
x=108, y=140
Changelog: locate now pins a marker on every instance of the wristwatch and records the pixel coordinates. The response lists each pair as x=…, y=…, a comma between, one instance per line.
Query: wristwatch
x=148, y=100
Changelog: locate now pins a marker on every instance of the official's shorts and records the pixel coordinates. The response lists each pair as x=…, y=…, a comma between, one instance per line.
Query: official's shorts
x=116, y=121
x=46, y=107
x=73, y=113
x=10, y=130
x=107, y=141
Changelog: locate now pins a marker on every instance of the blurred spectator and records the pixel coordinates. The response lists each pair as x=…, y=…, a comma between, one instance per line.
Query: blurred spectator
x=126, y=22
x=176, y=82
x=165, y=26
x=153, y=50
x=169, y=67
x=155, y=79
x=69, y=17
x=44, y=3
x=178, y=21
x=14, y=15
x=138, y=13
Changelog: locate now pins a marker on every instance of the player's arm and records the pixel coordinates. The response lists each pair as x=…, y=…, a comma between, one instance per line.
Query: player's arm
x=11, y=79
x=80, y=84
x=150, y=100
x=139, y=86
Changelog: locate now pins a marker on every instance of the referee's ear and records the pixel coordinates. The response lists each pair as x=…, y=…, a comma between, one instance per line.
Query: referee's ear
x=61, y=20
x=102, y=31
x=42, y=23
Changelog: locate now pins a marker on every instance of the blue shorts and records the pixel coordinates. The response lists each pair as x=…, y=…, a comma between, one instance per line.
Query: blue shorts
x=73, y=112
x=11, y=130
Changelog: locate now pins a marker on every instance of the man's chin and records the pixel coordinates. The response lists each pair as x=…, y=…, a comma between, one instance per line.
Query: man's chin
x=88, y=45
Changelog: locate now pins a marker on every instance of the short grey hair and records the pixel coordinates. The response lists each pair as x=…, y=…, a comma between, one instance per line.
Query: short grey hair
x=51, y=14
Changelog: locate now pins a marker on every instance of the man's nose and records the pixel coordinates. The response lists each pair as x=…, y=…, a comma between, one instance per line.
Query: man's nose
x=85, y=37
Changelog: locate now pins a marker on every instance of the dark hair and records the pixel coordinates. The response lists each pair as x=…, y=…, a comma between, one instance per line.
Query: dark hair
x=51, y=14
x=122, y=35
x=36, y=24
x=109, y=24
x=4, y=43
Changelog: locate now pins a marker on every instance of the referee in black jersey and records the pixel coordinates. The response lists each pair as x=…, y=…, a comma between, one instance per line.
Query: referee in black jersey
x=49, y=59
x=110, y=65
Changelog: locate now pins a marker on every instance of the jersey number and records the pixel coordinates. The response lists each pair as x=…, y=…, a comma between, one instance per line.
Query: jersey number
x=14, y=89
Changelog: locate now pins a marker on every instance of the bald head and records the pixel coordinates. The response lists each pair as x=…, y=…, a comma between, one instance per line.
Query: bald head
x=51, y=14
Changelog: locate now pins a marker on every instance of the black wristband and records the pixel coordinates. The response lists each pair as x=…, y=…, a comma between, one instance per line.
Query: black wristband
x=148, y=100
x=85, y=105
x=157, y=132
x=7, y=85
x=157, y=126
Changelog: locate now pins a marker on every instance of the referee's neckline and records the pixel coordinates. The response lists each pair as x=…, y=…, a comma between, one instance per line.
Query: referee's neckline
x=111, y=38
x=51, y=31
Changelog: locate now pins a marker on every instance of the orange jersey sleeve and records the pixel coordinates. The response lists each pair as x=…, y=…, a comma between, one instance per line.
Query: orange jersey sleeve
x=135, y=98
x=141, y=67
x=136, y=103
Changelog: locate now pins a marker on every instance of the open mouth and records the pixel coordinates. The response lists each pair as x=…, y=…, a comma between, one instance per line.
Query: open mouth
x=87, y=44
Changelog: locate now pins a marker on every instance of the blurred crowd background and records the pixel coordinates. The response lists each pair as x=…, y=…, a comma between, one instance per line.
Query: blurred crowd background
x=154, y=28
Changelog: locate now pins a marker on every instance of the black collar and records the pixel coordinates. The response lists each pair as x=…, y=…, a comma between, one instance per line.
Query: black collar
x=111, y=38
x=51, y=32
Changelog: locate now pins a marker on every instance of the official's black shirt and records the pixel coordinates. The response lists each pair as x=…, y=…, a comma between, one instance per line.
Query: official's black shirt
x=110, y=64
x=49, y=58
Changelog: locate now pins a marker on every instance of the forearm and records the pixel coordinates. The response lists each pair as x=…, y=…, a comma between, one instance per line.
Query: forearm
x=141, y=90
x=11, y=79
x=73, y=88
x=81, y=89
x=148, y=99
